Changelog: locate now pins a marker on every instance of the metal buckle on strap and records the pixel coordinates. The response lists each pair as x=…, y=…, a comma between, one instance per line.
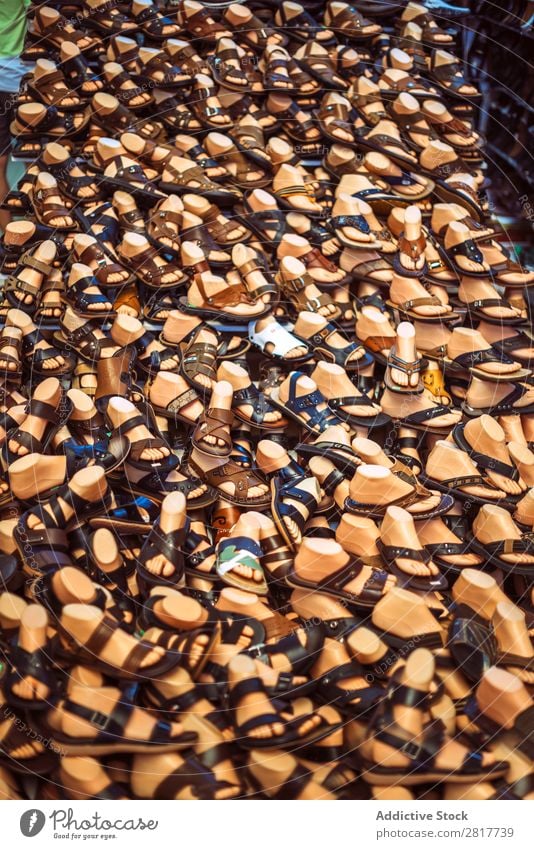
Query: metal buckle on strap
x=100, y=720
x=411, y=749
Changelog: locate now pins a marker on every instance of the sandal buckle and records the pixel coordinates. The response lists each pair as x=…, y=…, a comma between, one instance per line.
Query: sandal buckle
x=412, y=750
x=100, y=720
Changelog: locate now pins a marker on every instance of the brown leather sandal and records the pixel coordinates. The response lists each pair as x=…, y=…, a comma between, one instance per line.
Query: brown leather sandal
x=204, y=113
x=125, y=94
x=220, y=230
x=84, y=342
x=364, y=270
x=122, y=120
x=273, y=79
x=242, y=479
x=14, y=284
x=294, y=290
x=174, y=409
x=107, y=18
x=187, y=58
x=47, y=211
x=202, y=25
x=297, y=129
x=128, y=297
x=222, y=70
x=59, y=30
x=52, y=89
x=145, y=268
x=14, y=342
x=320, y=66
x=217, y=306
x=247, y=160
x=102, y=265
x=268, y=288
x=334, y=116
x=216, y=423
x=199, y=358
x=152, y=23
x=415, y=250
x=351, y=23
x=193, y=180
x=316, y=259
x=158, y=228
x=164, y=73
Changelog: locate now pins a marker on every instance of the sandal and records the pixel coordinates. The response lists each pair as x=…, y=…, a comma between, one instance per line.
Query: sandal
x=146, y=418
x=322, y=350
x=269, y=225
x=76, y=295
x=70, y=186
x=52, y=89
x=163, y=72
x=126, y=174
x=152, y=23
x=250, y=396
x=295, y=292
x=240, y=551
x=490, y=551
x=192, y=179
x=316, y=61
x=214, y=423
x=276, y=75
x=111, y=737
x=219, y=306
x=290, y=738
x=296, y=407
x=363, y=272
x=392, y=553
x=254, y=33
x=199, y=358
x=39, y=356
x=34, y=665
x=202, y=25
x=15, y=738
x=144, y=266
x=356, y=703
x=362, y=400
x=14, y=284
x=281, y=341
x=103, y=265
x=414, y=250
x=287, y=517
x=223, y=70
x=55, y=417
x=7, y=340
x=421, y=753
x=60, y=29
x=47, y=211
x=418, y=494
x=168, y=545
x=164, y=224
x=371, y=592
x=450, y=78
x=106, y=18
x=472, y=643
x=204, y=113
x=242, y=479
x=473, y=360
x=350, y=23
x=522, y=729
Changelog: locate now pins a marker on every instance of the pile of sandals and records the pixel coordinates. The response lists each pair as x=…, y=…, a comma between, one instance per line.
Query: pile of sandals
x=267, y=413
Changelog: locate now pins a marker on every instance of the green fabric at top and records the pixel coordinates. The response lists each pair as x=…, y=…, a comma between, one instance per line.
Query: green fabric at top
x=12, y=26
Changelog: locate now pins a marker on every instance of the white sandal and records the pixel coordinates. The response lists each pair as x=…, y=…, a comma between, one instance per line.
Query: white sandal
x=281, y=339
